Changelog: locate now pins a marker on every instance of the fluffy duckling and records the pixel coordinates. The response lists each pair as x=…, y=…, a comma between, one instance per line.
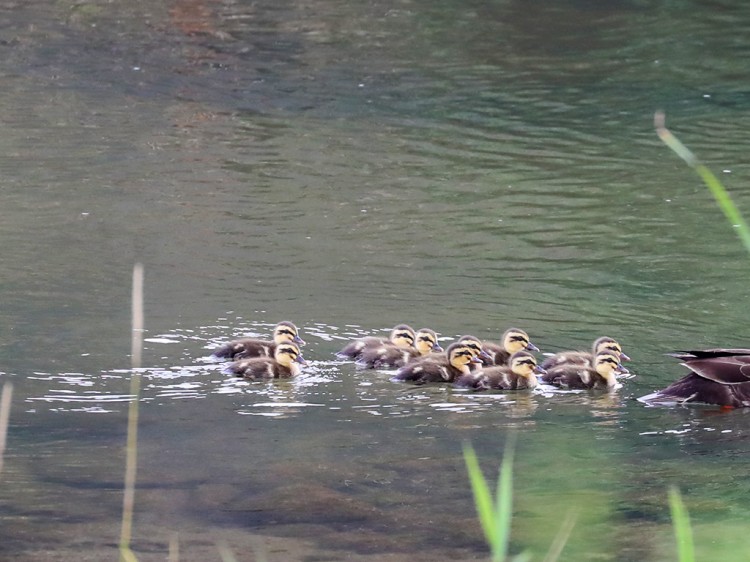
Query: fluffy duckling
x=402, y=336
x=252, y=347
x=476, y=346
x=284, y=364
x=513, y=340
x=439, y=367
x=603, y=373
x=520, y=373
x=388, y=355
x=586, y=357
x=717, y=376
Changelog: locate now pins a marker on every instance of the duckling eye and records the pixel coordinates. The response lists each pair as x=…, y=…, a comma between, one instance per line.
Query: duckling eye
x=405, y=335
x=425, y=338
x=286, y=331
x=519, y=338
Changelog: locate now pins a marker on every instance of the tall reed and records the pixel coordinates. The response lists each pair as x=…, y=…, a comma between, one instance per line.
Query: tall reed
x=681, y=522
x=714, y=185
x=131, y=462
x=495, y=515
x=5, y=400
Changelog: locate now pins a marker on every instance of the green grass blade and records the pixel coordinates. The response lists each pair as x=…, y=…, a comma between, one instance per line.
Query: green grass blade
x=561, y=539
x=682, y=530
x=504, y=503
x=717, y=189
x=482, y=495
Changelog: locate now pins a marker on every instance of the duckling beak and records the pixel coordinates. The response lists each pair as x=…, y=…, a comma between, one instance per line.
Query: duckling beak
x=531, y=347
x=484, y=355
x=298, y=340
x=539, y=370
x=624, y=357
x=301, y=360
x=436, y=347
x=476, y=359
x=620, y=370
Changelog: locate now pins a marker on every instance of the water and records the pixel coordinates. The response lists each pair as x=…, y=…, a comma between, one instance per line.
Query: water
x=466, y=166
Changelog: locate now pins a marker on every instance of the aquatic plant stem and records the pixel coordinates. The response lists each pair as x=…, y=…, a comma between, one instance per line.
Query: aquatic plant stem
x=5, y=400
x=228, y=556
x=681, y=523
x=495, y=517
x=714, y=185
x=131, y=462
x=561, y=539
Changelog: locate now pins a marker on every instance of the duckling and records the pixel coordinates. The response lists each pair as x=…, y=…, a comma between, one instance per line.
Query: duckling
x=585, y=357
x=472, y=342
x=520, y=373
x=252, y=347
x=578, y=375
x=401, y=336
x=284, y=364
x=513, y=340
x=439, y=367
x=389, y=355
x=476, y=346
x=717, y=376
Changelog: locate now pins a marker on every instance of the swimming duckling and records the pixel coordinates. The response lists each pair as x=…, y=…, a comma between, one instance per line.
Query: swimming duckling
x=389, y=355
x=476, y=346
x=513, y=340
x=586, y=357
x=472, y=342
x=520, y=373
x=253, y=347
x=578, y=375
x=718, y=376
x=401, y=336
x=284, y=364
x=439, y=367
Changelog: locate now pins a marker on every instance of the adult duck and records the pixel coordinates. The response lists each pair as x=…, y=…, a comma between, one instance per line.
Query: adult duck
x=717, y=376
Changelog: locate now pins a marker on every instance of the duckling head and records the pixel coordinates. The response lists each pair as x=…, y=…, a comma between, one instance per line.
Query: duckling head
x=523, y=364
x=286, y=332
x=426, y=341
x=517, y=340
x=287, y=354
x=461, y=356
x=607, y=364
x=402, y=336
x=609, y=344
x=475, y=345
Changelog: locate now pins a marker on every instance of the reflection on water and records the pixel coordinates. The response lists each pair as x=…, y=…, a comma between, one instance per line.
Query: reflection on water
x=466, y=166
